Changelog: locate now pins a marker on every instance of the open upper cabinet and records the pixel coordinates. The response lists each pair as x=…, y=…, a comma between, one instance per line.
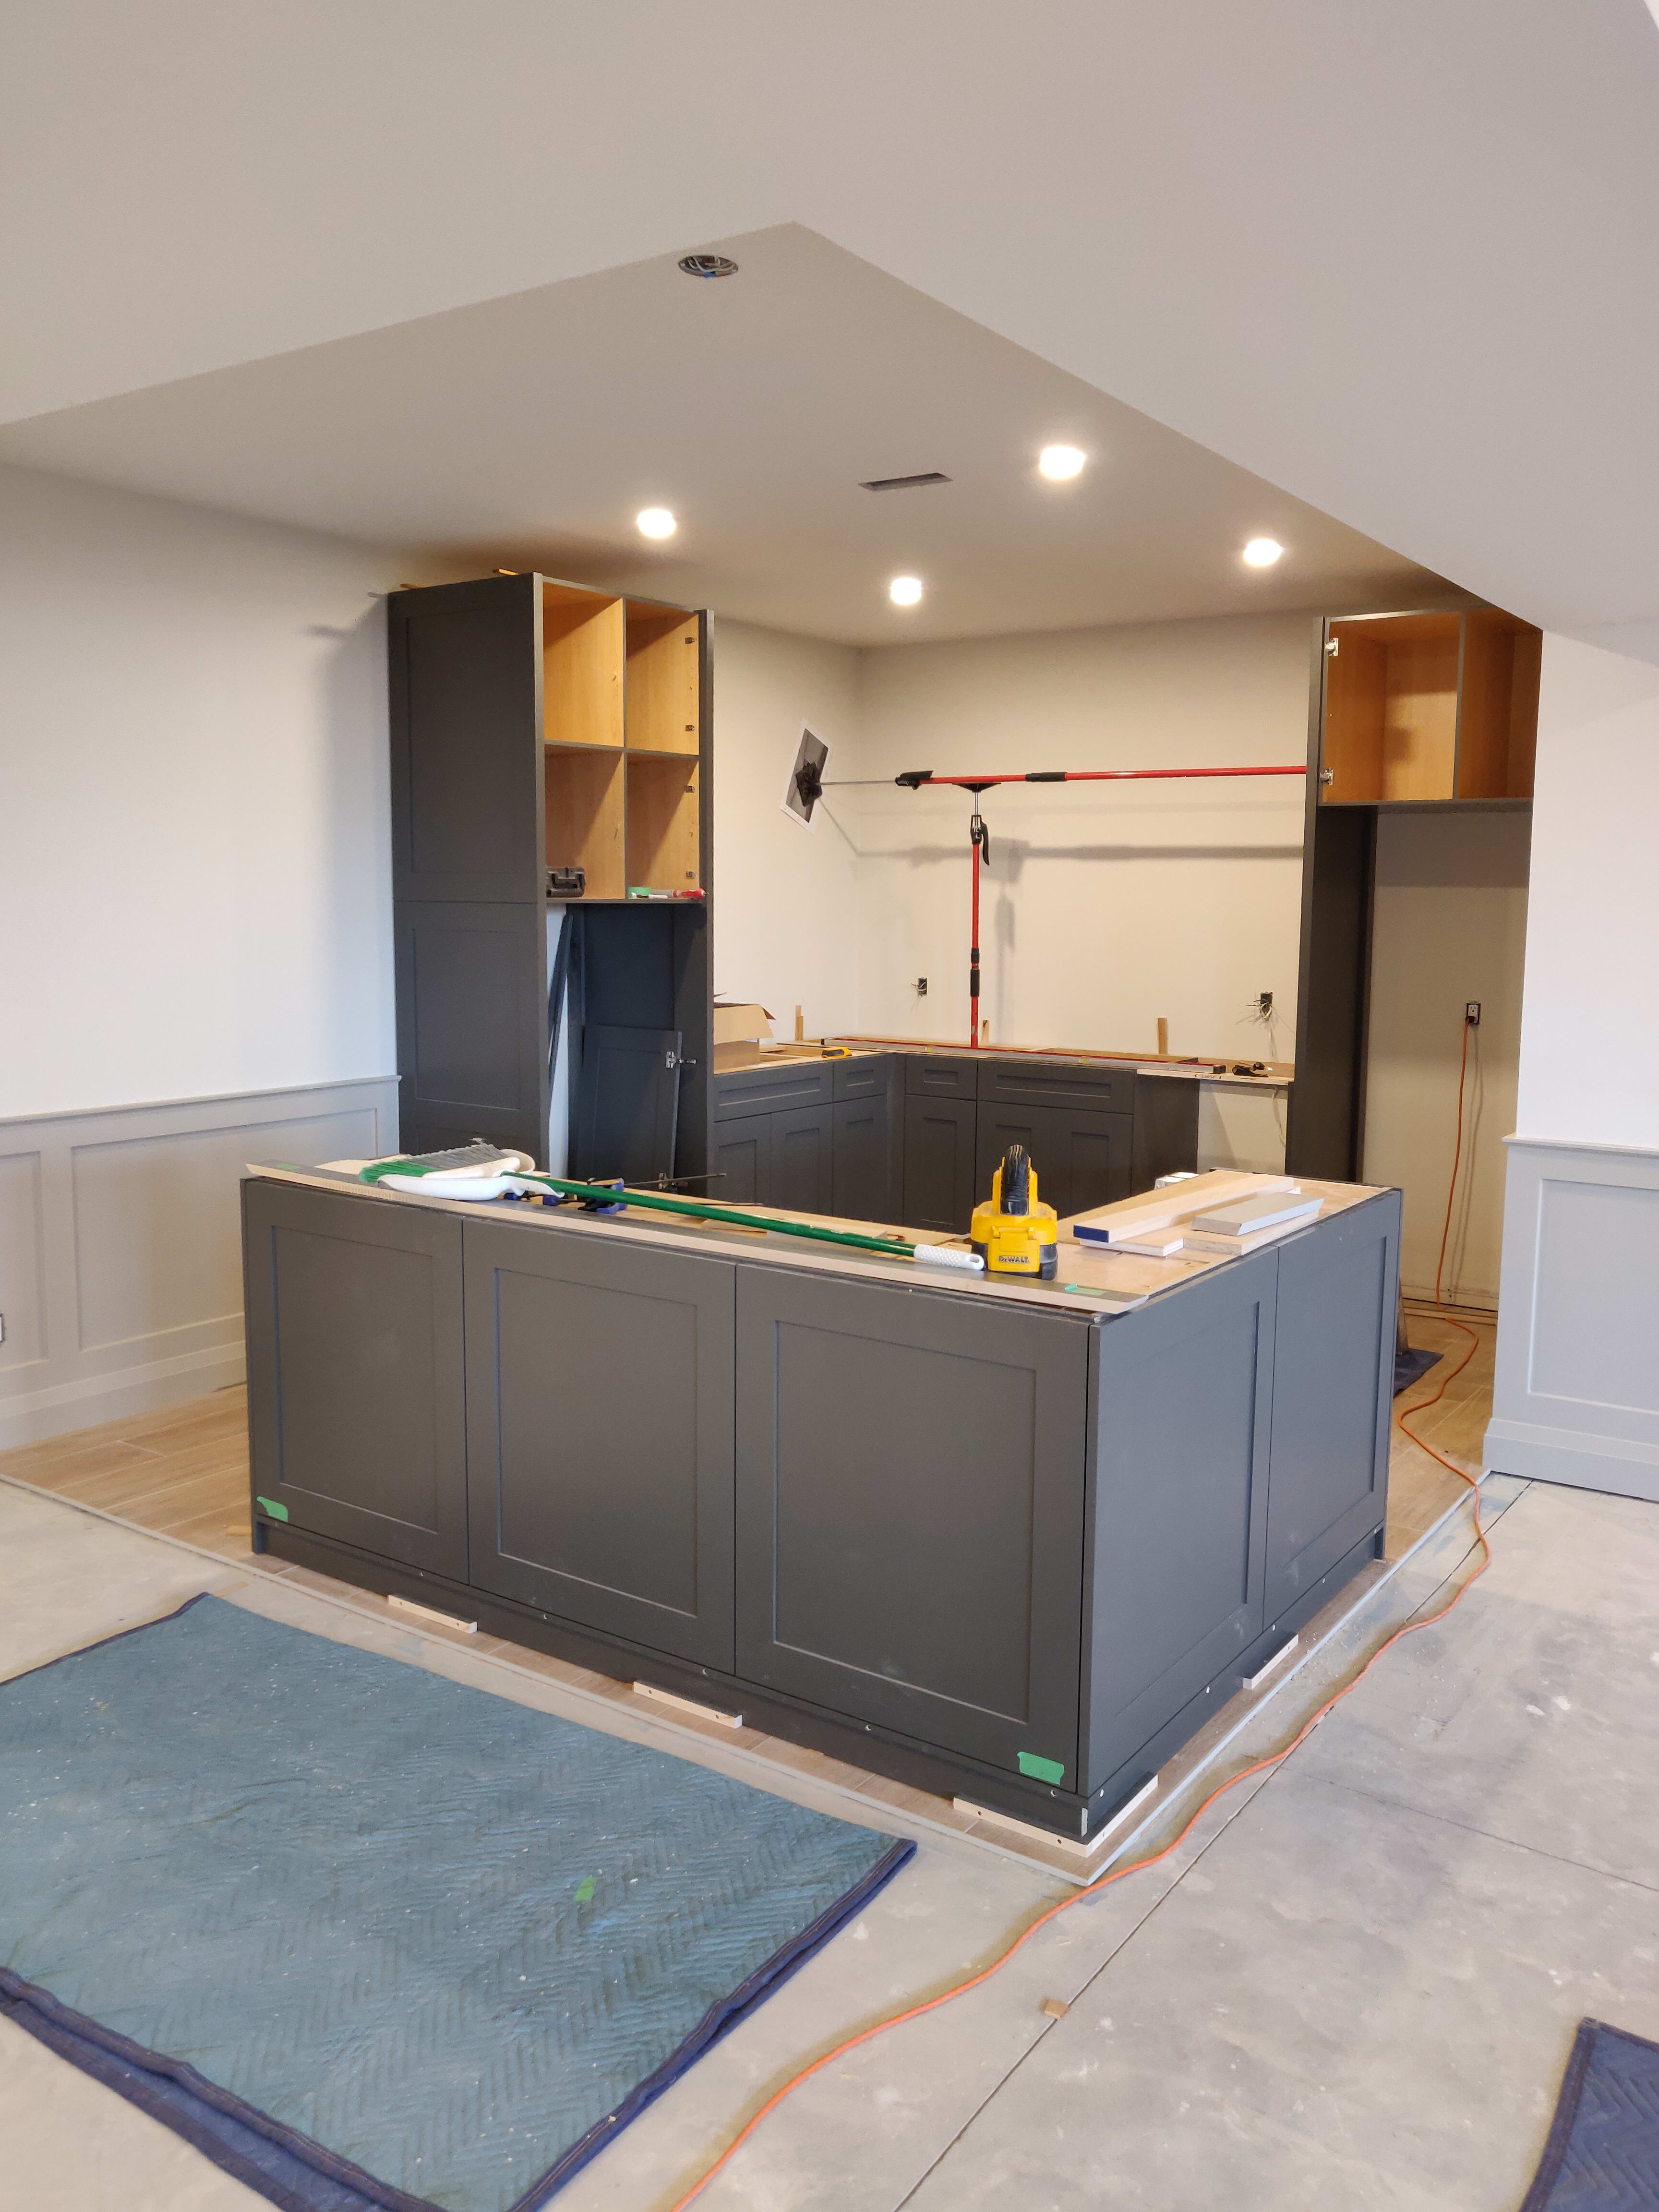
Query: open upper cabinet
x=622, y=734
x=1426, y=708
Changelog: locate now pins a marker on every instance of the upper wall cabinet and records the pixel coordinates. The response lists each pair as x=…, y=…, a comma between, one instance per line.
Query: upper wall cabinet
x=1426, y=708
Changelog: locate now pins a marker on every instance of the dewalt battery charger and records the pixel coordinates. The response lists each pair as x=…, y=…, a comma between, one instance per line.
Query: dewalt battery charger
x=1013, y=1232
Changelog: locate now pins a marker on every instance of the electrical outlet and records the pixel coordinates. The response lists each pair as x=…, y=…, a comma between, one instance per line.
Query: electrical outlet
x=922, y=987
x=1472, y=1013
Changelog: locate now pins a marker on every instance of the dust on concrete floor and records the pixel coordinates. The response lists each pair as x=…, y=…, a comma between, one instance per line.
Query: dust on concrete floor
x=1355, y=1984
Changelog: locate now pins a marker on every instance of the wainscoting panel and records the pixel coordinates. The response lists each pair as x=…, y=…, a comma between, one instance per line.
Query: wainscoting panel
x=120, y=1243
x=1575, y=1397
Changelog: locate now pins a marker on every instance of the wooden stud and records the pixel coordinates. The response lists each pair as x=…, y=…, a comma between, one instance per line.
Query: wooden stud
x=1163, y=1037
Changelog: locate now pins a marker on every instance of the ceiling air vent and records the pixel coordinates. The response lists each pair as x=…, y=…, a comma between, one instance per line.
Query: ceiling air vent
x=708, y=265
x=905, y=484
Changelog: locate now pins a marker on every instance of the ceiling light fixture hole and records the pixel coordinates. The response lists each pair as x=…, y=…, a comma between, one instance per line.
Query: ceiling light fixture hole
x=708, y=265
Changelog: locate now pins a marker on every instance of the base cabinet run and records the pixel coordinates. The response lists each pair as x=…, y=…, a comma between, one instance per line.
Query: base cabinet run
x=1016, y=1553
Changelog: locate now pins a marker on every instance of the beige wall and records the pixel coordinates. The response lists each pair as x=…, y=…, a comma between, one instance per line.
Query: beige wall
x=785, y=896
x=1450, y=926
x=195, y=864
x=1106, y=905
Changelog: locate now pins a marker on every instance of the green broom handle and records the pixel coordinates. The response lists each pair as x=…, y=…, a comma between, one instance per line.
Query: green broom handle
x=700, y=1209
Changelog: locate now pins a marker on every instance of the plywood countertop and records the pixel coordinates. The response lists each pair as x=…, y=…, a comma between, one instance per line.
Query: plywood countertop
x=1093, y=1279
x=1202, y=1067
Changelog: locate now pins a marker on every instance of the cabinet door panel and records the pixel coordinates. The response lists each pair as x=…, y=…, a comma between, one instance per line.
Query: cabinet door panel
x=466, y=754
x=1093, y=1156
x=864, y=1160
x=1182, y=1408
x=472, y=1023
x=803, y=1159
x=599, y=1433
x=939, y=1162
x=911, y=1487
x=356, y=1412
x=1333, y=1394
x=998, y=1126
x=743, y=1160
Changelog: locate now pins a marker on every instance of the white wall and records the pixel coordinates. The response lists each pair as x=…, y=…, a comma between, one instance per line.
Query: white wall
x=195, y=885
x=1106, y=905
x=1450, y=926
x=785, y=896
x=1576, y=1393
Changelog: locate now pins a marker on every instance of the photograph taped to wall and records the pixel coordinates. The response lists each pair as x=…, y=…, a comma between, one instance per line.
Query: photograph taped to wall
x=805, y=785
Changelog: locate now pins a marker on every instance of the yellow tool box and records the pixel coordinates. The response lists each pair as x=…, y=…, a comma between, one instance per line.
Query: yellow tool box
x=1013, y=1232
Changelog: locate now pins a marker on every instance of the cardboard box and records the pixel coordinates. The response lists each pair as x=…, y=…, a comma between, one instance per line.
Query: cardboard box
x=739, y=1030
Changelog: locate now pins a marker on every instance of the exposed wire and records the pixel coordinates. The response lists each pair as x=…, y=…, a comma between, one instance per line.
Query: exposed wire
x=1259, y=1766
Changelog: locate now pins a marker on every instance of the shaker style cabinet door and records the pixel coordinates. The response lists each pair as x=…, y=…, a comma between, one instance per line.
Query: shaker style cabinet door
x=911, y=1511
x=599, y=1418
x=1333, y=1394
x=356, y=1412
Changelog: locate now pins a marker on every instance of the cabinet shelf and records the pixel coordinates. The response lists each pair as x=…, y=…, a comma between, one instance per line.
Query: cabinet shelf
x=582, y=660
x=662, y=843
x=664, y=680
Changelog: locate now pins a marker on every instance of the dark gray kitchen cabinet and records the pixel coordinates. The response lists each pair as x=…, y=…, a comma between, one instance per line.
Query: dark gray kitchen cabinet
x=869, y=1159
x=600, y=1434
x=939, y=1172
x=910, y=1501
x=1082, y=1159
x=1091, y=1156
x=1175, y=1569
x=357, y=1405
x=1333, y=1394
x=743, y=1161
x=803, y=1159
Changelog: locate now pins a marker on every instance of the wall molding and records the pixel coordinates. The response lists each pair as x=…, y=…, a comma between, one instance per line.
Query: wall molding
x=1575, y=1393
x=120, y=1243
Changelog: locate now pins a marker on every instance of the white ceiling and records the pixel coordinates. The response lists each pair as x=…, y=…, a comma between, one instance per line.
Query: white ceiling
x=1400, y=260
x=528, y=432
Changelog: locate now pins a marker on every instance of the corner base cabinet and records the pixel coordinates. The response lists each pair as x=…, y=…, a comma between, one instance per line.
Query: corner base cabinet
x=1015, y=1549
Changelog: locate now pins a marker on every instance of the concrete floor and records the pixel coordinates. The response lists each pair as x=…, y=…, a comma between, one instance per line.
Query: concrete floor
x=1355, y=1984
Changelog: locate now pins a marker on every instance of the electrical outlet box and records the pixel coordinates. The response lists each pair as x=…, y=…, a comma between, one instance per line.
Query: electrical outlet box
x=1472, y=1013
x=3, y=1328
x=922, y=987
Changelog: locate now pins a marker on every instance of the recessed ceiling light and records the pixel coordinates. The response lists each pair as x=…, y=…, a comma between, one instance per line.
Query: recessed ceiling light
x=658, y=522
x=905, y=591
x=1059, y=464
x=708, y=265
x=1262, y=552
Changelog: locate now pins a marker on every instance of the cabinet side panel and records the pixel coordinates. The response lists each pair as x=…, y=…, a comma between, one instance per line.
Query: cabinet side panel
x=1183, y=1400
x=1333, y=1394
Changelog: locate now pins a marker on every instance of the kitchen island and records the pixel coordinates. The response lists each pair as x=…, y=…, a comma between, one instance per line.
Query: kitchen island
x=1002, y=1538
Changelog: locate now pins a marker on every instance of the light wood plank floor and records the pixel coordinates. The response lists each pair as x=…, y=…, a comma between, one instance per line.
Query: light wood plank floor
x=183, y=1472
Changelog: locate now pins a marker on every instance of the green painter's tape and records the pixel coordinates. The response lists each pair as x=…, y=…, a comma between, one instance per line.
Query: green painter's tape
x=276, y=1512
x=585, y=1889
x=1042, y=1769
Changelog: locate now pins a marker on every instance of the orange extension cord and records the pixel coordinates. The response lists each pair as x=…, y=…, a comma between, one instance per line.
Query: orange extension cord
x=1260, y=1765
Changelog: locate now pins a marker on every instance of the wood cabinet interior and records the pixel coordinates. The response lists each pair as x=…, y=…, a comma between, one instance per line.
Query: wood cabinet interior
x=583, y=798
x=1391, y=708
x=583, y=636
x=664, y=849
x=1497, y=717
x=662, y=684
x=1429, y=707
